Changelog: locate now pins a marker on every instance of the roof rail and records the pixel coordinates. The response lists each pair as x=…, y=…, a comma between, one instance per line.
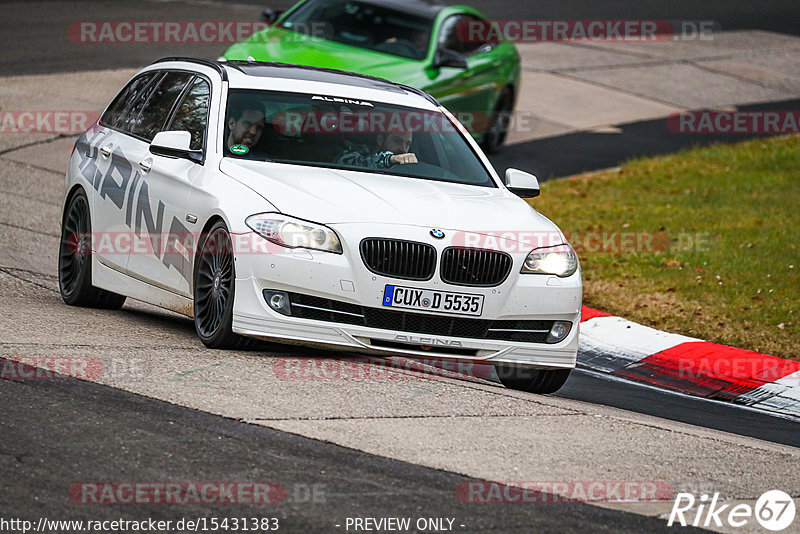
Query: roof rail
x=420, y=92
x=206, y=62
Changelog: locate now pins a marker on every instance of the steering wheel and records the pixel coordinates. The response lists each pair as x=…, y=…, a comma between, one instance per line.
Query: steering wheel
x=393, y=165
x=426, y=169
x=419, y=167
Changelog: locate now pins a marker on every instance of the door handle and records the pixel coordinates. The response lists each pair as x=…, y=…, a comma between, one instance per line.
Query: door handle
x=146, y=165
x=106, y=150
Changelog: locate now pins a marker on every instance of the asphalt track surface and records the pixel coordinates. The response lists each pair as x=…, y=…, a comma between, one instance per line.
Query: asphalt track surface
x=57, y=432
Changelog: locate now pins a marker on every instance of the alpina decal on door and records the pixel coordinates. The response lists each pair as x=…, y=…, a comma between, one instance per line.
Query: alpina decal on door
x=118, y=182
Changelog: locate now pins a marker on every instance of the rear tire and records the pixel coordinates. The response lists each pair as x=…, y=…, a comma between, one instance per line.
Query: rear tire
x=75, y=259
x=499, y=122
x=541, y=381
x=214, y=287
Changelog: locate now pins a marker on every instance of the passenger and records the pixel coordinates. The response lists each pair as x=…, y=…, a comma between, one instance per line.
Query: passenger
x=245, y=124
x=390, y=149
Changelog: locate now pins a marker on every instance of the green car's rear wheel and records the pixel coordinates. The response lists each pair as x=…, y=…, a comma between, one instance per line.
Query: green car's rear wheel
x=499, y=122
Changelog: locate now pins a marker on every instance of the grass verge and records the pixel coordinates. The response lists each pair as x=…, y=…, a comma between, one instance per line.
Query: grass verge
x=704, y=242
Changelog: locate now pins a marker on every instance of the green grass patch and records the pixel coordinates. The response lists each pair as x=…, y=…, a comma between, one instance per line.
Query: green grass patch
x=723, y=226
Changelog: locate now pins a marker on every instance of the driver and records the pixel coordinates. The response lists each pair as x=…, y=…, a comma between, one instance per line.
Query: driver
x=390, y=149
x=418, y=43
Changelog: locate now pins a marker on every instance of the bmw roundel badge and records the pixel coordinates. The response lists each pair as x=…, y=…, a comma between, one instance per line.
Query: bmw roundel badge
x=438, y=234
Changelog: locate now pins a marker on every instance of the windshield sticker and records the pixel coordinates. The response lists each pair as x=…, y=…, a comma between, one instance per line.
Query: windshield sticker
x=240, y=149
x=342, y=100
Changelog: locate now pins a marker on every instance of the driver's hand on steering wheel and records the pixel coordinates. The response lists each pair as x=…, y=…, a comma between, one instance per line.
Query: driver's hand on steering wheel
x=403, y=159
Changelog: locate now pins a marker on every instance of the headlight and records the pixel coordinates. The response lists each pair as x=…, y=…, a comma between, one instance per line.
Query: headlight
x=294, y=233
x=559, y=260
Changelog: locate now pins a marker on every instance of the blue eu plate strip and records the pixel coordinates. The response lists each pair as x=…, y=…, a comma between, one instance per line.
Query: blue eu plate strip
x=388, y=295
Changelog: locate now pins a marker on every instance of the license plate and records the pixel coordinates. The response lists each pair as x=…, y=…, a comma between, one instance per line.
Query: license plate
x=432, y=300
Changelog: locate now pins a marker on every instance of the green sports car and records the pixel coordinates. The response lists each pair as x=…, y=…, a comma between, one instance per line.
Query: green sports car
x=427, y=45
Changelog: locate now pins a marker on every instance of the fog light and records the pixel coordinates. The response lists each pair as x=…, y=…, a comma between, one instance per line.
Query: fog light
x=278, y=301
x=559, y=331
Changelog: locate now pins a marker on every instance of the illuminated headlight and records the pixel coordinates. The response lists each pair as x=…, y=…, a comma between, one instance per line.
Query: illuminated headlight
x=559, y=260
x=294, y=233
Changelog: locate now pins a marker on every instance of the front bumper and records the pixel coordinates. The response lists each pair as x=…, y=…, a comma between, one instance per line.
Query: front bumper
x=344, y=278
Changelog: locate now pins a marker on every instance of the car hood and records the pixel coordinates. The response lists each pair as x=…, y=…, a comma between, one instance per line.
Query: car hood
x=332, y=196
x=277, y=44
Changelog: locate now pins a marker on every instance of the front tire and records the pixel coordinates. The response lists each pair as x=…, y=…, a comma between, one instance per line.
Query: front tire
x=541, y=381
x=214, y=286
x=75, y=259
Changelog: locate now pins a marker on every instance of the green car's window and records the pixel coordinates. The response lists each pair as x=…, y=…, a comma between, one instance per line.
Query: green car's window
x=453, y=32
x=350, y=134
x=363, y=25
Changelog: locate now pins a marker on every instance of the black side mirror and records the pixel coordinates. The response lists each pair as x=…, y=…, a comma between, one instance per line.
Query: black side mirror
x=448, y=58
x=271, y=15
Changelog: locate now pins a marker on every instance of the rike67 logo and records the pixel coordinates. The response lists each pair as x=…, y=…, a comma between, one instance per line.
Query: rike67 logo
x=774, y=510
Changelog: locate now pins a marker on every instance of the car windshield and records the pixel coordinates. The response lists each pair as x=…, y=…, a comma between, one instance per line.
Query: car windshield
x=351, y=134
x=363, y=25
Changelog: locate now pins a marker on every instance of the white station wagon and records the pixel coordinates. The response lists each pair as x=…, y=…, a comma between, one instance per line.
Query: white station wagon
x=305, y=205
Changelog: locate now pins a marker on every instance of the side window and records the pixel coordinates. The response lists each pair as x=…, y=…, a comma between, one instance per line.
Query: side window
x=126, y=99
x=455, y=34
x=156, y=111
x=130, y=115
x=192, y=114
